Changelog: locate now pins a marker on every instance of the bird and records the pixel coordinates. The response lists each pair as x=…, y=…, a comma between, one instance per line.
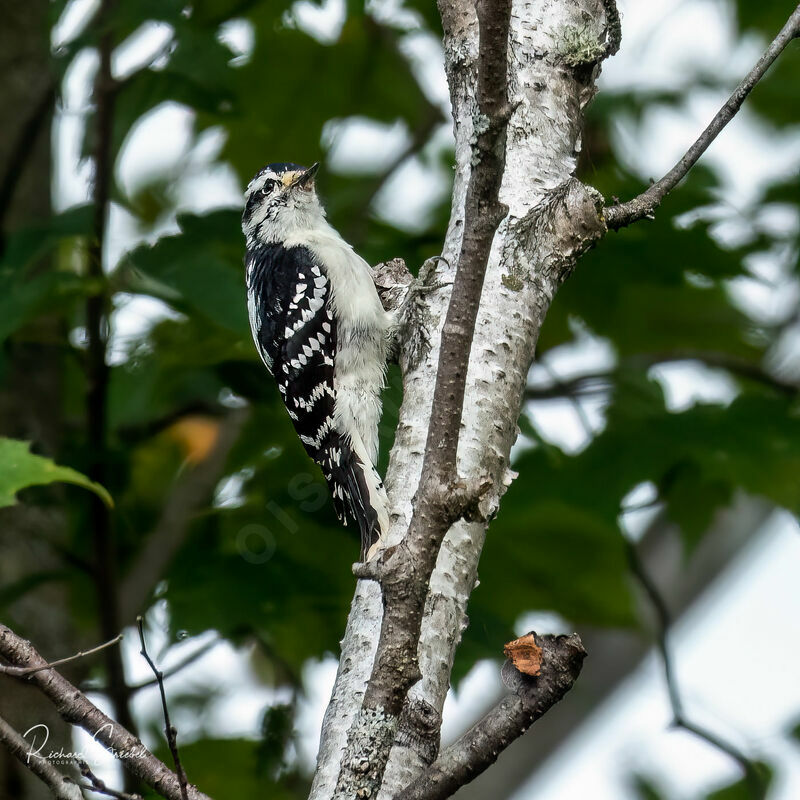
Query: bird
x=322, y=332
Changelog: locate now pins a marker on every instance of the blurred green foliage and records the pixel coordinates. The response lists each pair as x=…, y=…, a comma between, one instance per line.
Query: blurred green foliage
x=267, y=562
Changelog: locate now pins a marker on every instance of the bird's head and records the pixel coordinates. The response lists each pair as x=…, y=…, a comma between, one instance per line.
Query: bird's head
x=280, y=200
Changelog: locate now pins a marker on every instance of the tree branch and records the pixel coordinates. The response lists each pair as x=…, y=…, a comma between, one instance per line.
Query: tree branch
x=405, y=571
x=76, y=709
x=680, y=720
x=473, y=753
x=99, y=786
x=21, y=150
x=598, y=382
x=169, y=729
x=187, y=661
x=62, y=787
x=552, y=220
x=618, y=216
x=22, y=672
x=104, y=566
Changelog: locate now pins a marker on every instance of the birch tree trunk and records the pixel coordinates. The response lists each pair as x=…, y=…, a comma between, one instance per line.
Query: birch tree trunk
x=555, y=49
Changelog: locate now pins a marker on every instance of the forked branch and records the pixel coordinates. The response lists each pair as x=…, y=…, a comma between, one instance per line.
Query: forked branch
x=618, y=216
x=680, y=719
x=76, y=709
x=530, y=698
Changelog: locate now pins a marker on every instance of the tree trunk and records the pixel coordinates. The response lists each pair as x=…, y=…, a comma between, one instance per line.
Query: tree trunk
x=33, y=377
x=554, y=53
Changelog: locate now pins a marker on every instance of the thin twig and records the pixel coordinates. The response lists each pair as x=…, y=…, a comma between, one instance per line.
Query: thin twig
x=99, y=786
x=680, y=720
x=22, y=672
x=22, y=149
x=62, y=787
x=618, y=216
x=187, y=661
x=76, y=709
x=598, y=382
x=169, y=730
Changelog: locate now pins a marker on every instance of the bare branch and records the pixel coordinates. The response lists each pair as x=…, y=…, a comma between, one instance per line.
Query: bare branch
x=99, y=786
x=465, y=759
x=164, y=541
x=21, y=672
x=97, y=371
x=22, y=149
x=187, y=661
x=76, y=709
x=680, y=720
x=169, y=730
x=618, y=216
x=62, y=787
x=184, y=662
x=598, y=382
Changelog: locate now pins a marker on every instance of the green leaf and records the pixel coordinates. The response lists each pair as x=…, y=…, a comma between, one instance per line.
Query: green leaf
x=744, y=789
x=692, y=498
x=227, y=770
x=27, y=290
x=33, y=242
x=23, y=299
x=19, y=468
x=645, y=789
x=198, y=271
x=288, y=121
x=767, y=16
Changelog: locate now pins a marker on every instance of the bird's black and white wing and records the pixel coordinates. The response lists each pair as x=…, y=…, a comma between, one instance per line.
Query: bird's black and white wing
x=294, y=329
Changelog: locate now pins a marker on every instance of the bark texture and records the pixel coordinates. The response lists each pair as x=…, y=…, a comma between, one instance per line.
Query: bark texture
x=530, y=698
x=76, y=709
x=404, y=571
x=552, y=220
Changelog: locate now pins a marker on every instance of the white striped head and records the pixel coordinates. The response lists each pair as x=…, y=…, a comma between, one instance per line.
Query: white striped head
x=280, y=200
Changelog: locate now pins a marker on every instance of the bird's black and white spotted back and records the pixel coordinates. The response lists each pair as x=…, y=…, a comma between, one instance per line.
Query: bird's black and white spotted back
x=294, y=329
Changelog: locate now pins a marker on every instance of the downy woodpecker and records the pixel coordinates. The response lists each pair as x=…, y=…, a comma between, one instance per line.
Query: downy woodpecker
x=322, y=332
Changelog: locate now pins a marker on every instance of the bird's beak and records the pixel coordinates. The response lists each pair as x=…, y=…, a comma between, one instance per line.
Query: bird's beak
x=306, y=177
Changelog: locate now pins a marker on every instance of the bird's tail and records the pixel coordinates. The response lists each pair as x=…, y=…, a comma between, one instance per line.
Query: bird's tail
x=356, y=488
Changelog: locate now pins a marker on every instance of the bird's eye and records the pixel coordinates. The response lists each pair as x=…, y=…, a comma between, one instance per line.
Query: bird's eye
x=268, y=186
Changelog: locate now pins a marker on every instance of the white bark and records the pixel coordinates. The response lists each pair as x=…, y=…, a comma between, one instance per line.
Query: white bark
x=531, y=254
